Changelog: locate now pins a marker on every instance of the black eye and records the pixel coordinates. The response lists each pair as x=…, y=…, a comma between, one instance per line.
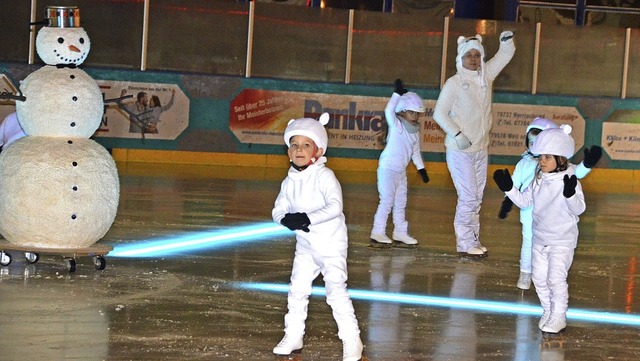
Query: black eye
x=60, y=40
x=81, y=40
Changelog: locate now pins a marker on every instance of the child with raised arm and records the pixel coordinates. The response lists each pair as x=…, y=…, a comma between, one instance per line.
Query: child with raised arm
x=402, y=115
x=522, y=176
x=310, y=204
x=557, y=199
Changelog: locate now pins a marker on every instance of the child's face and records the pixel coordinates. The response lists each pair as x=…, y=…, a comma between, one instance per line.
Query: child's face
x=472, y=60
x=302, y=149
x=548, y=163
x=411, y=116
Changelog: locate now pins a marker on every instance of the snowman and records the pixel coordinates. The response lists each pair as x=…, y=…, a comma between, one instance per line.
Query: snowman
x=58, y=188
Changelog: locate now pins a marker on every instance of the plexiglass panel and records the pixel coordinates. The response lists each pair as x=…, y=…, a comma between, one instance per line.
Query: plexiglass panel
x=387, y=47
x=517, y=75
x=14, y=39
x=291, y=42
x=198, y=36
x=114, y=27
x=528, y=14
x=601, y=18
x=581, y=61
x=633, y=80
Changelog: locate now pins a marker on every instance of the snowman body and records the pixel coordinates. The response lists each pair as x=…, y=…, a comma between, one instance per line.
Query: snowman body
x=58, y=189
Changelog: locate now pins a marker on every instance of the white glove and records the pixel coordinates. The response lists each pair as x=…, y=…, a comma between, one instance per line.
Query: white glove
x=462, y=141
x=506, y=35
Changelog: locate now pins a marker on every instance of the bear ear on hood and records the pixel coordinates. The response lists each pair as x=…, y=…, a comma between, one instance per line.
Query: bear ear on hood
x=461, y=39
x=479, y=37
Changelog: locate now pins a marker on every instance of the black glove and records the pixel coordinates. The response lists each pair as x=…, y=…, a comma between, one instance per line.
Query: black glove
x=570, y=184
x=592, y=156
x=424, y=175
x=503, y=179
x=399, y=88
x=295, y=221
x=505, y=208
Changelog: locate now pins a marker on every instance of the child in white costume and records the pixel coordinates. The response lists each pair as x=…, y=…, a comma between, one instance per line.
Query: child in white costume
x=402, y=113
x=310, y=203
x=463, y=111
x=557, y=199
x=10, y=130
x=522, y=178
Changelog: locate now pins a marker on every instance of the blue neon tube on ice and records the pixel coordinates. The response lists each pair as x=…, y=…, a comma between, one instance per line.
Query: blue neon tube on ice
x=200, y=240
x=461, y=303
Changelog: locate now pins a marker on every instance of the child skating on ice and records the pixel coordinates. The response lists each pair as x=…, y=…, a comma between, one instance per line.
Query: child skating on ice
x=310, y=203
x=557, y=199
x=522, y=176
x=402, y=114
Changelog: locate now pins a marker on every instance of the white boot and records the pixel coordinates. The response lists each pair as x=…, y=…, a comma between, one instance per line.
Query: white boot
x=544, y=318
x=381, y=239
x=556, y=323
x=352, y=349
x=483, y=248
x=475, y=252
x=524, y=281
x=288, y=345
x=404, y=238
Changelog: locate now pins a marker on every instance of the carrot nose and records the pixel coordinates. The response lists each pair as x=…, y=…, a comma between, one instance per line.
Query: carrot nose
x=73, y=48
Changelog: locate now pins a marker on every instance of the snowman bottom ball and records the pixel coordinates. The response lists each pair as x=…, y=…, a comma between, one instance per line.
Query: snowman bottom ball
x=57, y=192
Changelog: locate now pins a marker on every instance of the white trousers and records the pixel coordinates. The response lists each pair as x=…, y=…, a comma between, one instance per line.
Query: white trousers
x=550, y=266
x=469, y=174
x=526, y=218
x=306, y=268
x=392, y=189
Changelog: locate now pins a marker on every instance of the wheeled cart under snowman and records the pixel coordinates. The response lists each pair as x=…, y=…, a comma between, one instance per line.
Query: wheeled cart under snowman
x=69, y=255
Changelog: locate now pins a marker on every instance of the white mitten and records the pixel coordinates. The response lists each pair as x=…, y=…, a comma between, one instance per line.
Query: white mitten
x=462, y=141
x=506, y=35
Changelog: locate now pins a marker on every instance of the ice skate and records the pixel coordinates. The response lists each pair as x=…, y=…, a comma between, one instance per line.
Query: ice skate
x=484, y=249
x=380, y=240
x=404, y=240
x=553, y=331
x=289, y=348
x=352, y=349
x=524, y=281
x=555, y=324
x=544, y=318
x=473, y=252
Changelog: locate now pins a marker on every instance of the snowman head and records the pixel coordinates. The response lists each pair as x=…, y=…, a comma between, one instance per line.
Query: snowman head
x=62, y=45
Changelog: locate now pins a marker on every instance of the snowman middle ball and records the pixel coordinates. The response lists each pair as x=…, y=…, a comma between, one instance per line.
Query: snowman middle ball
x=60, y=102
x=57, y=192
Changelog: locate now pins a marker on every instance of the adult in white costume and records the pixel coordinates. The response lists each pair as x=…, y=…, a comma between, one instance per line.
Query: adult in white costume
x=463, y=111
x=557, y=199
x=310, y=203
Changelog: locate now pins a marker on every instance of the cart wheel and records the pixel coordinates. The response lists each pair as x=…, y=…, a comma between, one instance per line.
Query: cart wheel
x=71, y=264
x=32, y=257
x=99, y=262
x=5, y=258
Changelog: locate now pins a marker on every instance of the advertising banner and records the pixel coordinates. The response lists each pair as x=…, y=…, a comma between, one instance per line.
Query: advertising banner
x=621, y=135
x=260, y=116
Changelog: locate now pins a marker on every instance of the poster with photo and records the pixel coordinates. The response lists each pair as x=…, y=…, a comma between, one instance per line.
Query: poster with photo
x=155, y=111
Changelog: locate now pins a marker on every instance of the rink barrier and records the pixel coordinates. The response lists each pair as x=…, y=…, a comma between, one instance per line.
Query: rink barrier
x=348, y=170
